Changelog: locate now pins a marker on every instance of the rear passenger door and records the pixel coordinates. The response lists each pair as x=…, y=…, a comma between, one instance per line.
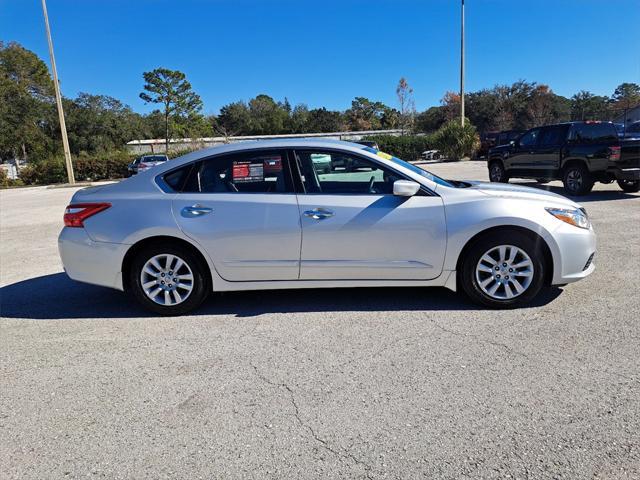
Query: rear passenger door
x=242, y=209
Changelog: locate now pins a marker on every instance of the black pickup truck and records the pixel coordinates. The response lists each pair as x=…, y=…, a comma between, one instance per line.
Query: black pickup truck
x=578, y=153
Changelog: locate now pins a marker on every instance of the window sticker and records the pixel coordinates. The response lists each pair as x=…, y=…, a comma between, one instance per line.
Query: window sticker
x=272, y=164
x=245, y=171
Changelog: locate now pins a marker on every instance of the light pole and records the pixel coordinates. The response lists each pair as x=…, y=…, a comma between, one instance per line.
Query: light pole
x=56, y=86
x=462, y=64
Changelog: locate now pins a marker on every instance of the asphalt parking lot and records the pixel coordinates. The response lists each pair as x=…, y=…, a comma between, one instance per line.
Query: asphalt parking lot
x=365, y=383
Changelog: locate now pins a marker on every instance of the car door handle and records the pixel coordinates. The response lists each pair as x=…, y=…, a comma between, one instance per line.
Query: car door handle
x=196, y=211
x=319, y=213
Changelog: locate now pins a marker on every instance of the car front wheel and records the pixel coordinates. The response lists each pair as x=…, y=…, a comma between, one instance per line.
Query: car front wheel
x=497, y=173
x=168, y=279
x=503, y=271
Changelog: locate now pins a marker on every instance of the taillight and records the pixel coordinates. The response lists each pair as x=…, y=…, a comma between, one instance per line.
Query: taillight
x=614, y=153
x=76, y=213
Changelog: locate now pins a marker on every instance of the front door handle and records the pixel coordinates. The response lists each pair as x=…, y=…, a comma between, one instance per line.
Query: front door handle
x=196, y=211
x=319, y=213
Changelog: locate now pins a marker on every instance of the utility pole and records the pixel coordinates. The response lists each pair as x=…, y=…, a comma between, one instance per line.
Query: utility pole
x=56, y=86
x=461, y=64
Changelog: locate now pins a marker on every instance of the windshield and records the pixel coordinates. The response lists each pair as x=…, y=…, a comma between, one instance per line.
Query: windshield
x=413, y=168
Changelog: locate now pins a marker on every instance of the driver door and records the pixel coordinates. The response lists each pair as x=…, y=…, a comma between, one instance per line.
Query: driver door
x=353, y=227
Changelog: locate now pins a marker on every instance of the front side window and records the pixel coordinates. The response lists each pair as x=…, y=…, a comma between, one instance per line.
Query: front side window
x=251, y=172
x=530, y=138
x=330, y=172
x=553, y=136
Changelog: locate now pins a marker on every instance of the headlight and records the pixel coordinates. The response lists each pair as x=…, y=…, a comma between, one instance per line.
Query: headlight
x=576, y=217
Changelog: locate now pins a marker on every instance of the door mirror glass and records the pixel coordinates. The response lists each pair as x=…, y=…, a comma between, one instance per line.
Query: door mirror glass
x=405, y=188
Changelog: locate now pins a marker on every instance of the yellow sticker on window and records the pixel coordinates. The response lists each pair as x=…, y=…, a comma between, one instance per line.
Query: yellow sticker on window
x=386, y=156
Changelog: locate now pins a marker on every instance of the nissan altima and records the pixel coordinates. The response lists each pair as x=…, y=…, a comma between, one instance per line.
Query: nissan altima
x=269, y=215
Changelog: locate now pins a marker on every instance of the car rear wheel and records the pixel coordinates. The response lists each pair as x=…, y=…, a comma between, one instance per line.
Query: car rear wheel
x=497, y=173
x=577, y=180
x=168, y=279
x=503, y=271
x=629, y=186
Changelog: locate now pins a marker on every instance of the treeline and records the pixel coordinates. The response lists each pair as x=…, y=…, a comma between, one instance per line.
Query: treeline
x=96, y=124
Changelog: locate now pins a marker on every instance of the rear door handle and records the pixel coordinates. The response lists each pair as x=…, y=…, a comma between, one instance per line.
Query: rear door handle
x=319, y=213
x=196, y=211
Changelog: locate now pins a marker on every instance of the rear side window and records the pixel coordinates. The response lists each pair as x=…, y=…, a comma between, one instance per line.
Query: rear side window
x=593, y=132
x=252, y=172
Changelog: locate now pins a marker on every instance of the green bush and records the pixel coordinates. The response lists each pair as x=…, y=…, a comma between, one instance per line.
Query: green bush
x=4, y=179
x=455, y=141
x=406, y=147
x=101, y=166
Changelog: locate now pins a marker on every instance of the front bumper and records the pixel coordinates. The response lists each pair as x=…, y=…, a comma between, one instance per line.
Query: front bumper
x=576, y=253
x=85, y=260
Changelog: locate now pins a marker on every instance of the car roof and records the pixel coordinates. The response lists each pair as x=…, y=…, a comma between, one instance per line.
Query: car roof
x=268, y=144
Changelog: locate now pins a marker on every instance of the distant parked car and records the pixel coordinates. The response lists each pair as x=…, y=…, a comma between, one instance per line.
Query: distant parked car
x=578, y=153
x=487, y=141
x=431, y=155
x=146, y=162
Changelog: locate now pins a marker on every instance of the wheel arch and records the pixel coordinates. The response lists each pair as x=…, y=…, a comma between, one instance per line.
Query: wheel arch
x=568, y=162
x=147, y=242
x=546, y=251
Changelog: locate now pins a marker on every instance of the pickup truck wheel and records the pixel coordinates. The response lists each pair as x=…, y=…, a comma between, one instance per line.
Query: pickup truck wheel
x=497, y=173
x=629, y=186
x=577, y=180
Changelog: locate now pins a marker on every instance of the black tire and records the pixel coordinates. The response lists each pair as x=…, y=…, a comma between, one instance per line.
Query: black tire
x=577, y=179
x=497, y=173
x=468, y=280
x=201, y=284
x=629, y=186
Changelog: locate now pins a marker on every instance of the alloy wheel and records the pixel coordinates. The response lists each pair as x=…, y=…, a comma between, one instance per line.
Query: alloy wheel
x=166, y=279
x=574, y=179
x=504, y=272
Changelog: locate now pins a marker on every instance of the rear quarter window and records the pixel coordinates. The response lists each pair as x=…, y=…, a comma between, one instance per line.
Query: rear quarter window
x=594, y=132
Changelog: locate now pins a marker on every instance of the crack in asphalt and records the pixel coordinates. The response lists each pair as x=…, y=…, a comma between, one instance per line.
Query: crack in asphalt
x=480, y=339
x=346, y=454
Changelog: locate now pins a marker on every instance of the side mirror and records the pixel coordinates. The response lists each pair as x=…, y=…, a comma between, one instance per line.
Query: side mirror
x=405, y=188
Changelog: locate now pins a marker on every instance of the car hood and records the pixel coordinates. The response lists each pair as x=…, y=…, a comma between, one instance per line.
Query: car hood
x=506, y=190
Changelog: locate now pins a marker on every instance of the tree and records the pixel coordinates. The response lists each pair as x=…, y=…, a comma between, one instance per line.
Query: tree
x=407, y=104
x=365, y=114
x=323, y=120
x=267, y=116
x=26, y=104
x=456, y=141
x=234, y=119
x=587, y=106
x=430, y=120
x=625, y=96
x=299, y=119
x=171, y=89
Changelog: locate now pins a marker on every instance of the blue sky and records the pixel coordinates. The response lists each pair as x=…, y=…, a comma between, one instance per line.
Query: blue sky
x=324, y=53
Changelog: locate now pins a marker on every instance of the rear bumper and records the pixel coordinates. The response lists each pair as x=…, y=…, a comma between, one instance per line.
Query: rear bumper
x=626, y=173
x=84, y=260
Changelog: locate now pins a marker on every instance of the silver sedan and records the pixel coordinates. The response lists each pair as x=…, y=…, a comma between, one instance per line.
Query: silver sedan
x=314, y=214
